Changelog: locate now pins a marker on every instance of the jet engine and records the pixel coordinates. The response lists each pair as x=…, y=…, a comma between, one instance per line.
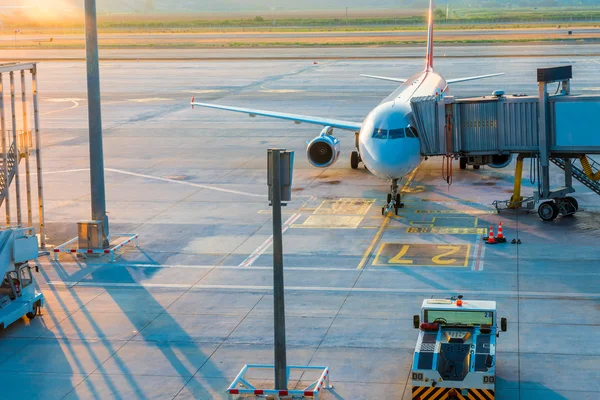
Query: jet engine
x=501, y=160
x=324, y=150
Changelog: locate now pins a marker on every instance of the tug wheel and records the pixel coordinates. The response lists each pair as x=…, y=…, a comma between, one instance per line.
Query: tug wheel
x=462, y=162
x=34, y=312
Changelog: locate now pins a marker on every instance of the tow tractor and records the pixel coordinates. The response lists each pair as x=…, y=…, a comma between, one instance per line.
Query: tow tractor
x=455, y=355
x=18, y=295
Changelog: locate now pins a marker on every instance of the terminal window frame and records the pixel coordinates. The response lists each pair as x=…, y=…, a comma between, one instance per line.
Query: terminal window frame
x=487, y=317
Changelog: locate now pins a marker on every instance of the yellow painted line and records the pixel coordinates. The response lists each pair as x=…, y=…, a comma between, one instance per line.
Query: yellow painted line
x=376, y=238
x=410, y=179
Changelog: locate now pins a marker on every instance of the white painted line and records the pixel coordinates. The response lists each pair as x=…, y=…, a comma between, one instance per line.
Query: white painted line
x=156, y=178
x=267, y=243
x=494, y=293
x=287, y=268
x=75, y=105
x=65, y=171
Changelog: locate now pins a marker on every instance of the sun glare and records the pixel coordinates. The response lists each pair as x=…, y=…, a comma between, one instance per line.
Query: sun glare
x=55, y=11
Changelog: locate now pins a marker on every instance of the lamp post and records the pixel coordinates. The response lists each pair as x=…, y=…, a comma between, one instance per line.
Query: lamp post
x=95, y=121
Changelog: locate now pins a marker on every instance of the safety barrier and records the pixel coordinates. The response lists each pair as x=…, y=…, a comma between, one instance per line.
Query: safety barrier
x=128, y=239
x=241, y=387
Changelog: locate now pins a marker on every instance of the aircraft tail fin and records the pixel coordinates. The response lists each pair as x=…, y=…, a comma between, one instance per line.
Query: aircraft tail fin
x=429, y=59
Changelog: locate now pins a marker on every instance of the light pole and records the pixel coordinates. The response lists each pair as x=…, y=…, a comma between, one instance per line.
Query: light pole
x=95, y=121
x=346, y=17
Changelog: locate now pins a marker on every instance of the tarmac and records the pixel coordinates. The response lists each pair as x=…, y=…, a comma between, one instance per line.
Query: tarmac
x=178, y=317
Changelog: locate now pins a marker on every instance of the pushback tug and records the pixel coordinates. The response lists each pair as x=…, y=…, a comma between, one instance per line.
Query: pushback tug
x=455, y=355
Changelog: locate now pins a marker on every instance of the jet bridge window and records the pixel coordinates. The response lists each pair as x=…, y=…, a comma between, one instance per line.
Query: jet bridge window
x=380, y=133
x=396, y=133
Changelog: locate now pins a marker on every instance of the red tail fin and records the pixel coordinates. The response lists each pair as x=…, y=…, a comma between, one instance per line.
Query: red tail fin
x=429, y=59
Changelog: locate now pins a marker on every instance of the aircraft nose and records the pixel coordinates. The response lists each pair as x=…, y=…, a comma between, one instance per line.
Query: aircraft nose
x=391, y=159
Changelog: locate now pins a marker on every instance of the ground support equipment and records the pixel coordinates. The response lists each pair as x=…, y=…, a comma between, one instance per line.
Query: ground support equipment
x=455, y=354
x=242, y=387
x=18, y=294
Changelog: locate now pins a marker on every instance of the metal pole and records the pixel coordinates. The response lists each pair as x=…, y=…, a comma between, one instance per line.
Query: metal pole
x=278, y=294
x=5, y=190
x=543, y=140
x=17, y=151
x=95, y=120
x=26, y=139
x=38, y=156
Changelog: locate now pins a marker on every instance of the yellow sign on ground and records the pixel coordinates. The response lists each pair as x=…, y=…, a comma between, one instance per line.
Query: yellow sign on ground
x=420, y=255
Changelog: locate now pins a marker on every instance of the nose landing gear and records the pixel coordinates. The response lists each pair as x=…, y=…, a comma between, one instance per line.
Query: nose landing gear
x=394, y=200
x=354, y=159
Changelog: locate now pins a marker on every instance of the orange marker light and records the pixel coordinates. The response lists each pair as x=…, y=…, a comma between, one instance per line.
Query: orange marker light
x=459, y=303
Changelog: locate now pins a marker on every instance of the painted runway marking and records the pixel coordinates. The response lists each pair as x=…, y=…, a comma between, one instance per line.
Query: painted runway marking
x=149, y=100
x=267, y=243
x=493, y=293
x=457, y=212
x=478, y=264
x=157, y=178
x=66, y=171
x=384, y=224
x=345, y=206
x=270, y=268
x=447, y=231
x=422, y=255
x=330, y=222
x=74, y=101
x=376, y=238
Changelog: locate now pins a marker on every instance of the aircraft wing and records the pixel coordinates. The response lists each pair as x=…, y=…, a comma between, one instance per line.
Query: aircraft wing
x=471, y=78
x=334, y=123
x=385, y=78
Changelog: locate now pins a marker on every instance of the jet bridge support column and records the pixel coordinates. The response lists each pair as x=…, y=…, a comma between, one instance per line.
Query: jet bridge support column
x=543, y=140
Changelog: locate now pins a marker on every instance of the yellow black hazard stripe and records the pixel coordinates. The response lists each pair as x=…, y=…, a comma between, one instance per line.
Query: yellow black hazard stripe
x=440, y=393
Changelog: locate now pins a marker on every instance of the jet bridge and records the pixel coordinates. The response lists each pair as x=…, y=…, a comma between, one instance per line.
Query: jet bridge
x=559, y=128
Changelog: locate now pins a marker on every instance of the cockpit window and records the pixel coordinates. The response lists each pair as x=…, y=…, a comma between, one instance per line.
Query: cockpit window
x=380, y=133
x=396, y=133
x=411, y=132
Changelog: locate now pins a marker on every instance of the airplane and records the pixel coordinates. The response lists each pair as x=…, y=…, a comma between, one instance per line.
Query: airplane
x=386, y=142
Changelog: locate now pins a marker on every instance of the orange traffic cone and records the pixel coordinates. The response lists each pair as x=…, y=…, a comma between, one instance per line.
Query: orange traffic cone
x=491, y=239
x=500, y=238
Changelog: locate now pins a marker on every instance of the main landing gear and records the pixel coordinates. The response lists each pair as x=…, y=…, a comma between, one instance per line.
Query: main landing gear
x=394, y=200
x=565, y=206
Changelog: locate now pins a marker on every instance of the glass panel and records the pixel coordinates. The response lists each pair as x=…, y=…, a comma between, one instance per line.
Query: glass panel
x=26, y=279
x=411, y=132
x=460, y=317
x=396, y=133
x=380, y=134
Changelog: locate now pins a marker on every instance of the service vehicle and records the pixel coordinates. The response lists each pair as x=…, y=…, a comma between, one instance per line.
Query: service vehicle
x=455, y=355
x=18, y=294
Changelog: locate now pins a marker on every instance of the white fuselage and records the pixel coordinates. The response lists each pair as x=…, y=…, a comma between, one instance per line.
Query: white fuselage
x=387, y=143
